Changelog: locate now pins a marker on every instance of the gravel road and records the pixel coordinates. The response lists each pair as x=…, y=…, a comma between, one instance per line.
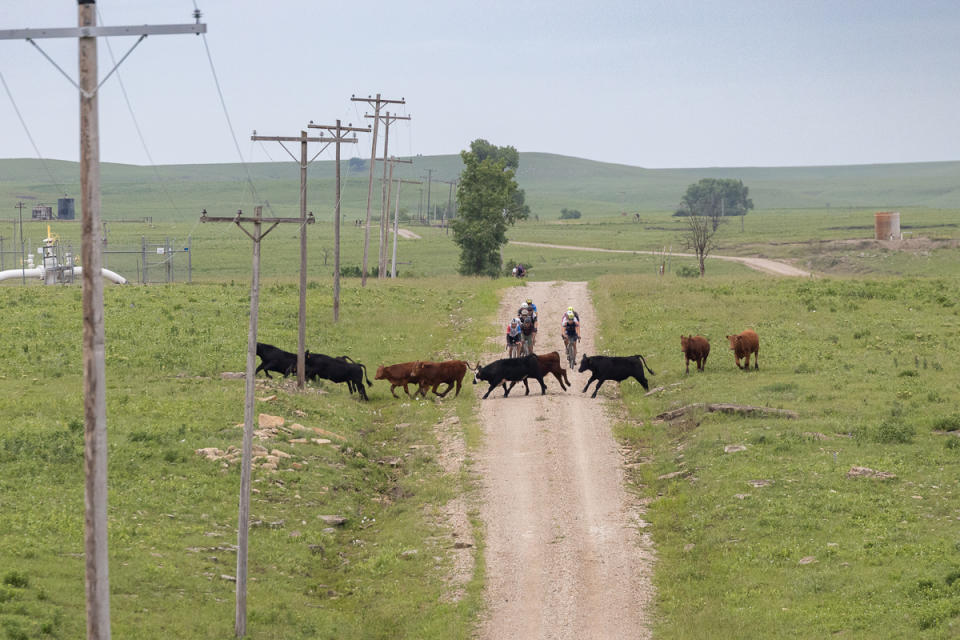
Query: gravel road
x=566, y=556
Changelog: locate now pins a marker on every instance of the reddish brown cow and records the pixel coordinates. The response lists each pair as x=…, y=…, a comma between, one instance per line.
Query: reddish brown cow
x=433, y=374
x=742, y=345
x=398, y=375
x=549, y=363
x=695, y=348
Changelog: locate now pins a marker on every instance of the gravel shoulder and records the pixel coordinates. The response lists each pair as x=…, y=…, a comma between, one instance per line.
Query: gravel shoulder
x=566, y=555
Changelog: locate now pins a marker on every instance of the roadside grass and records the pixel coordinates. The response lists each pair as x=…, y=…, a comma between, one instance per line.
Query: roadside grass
x=172, y=513
x=776, y=540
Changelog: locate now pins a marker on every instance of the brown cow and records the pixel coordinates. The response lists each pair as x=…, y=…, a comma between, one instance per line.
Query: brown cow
x=742, y=345
x=695, y=348
x=549, y=363
x=433, y=374
x=398, y=375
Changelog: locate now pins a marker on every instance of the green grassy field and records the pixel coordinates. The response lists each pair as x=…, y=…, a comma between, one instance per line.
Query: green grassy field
x=865, y=353
x=776, y=540
x=172, y=513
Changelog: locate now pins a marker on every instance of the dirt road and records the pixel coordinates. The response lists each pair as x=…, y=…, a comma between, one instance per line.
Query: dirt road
x=760, y=264
x=566, y=556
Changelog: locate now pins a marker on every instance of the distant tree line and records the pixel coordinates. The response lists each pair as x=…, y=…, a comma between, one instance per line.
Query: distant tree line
x=569, y=214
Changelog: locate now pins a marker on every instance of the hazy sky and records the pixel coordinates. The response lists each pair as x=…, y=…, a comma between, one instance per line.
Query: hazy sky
x=647, y=83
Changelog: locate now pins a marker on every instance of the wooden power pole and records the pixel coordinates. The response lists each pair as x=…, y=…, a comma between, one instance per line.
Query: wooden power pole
x=337, y=131
x=243, y=520
x=384, y=195
x=94, y=343
x=376, y=103
x=302, y=314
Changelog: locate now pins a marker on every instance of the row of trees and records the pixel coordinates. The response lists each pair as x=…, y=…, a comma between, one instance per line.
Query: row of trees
x=489, y=201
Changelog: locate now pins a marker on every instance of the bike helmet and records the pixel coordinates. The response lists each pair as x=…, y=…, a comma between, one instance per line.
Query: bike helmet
x=514, y=322
x=529, y=300
x=524, y=305
x=524, y=312
x=569, y=308
x=570, y=314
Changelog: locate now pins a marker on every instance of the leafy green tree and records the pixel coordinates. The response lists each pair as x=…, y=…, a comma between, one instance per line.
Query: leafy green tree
x=569, y=214
x=716, y=199
x=488, y=201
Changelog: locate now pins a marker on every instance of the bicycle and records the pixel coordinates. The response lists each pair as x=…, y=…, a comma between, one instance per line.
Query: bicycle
x=572, y=351
x=527, y=343
x=513, y=350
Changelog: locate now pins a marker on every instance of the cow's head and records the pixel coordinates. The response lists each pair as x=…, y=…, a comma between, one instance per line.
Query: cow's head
x=584, y=363
x=734, y=341
x=379, y=375
x=684, y=341
x=476, y=372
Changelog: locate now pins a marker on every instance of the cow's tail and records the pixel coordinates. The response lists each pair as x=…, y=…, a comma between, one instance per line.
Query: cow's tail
x=644, y=362
x=370, y=384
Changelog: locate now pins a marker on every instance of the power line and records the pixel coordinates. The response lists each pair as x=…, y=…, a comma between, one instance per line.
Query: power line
x=29, y=137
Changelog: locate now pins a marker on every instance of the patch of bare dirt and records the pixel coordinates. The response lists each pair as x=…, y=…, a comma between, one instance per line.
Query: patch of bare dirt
x=566, y=555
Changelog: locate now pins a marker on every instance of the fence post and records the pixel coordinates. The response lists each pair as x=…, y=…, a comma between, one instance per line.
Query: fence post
x=168, y=257
x=1, y=253
x=143, y=257
x=190, y=259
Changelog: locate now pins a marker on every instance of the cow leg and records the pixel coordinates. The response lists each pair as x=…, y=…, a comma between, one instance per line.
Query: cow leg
x=566, y=379
x=559, y=379
x=394, y=393
x=506, y=389
x=599, y=383
x=526, y=387
x=360, y=390
x=446, y=391
x=459, y=383
x=262, y=367
x=756, y=360
x=643, y=382
x=592, y=378
x=494, y=385
x=543, y=387
x=405, y=390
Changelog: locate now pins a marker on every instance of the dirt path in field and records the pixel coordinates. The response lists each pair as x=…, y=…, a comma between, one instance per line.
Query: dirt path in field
x=566, y=556
x=760, y=264
x=406, y=233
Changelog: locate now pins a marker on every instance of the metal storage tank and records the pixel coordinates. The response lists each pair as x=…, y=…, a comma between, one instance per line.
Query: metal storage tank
x=65, y=210
x=887, y=225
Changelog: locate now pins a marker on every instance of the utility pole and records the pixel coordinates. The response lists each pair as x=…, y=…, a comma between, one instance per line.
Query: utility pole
x=383, y=242
x=446, y=214
x=302, y=315
x=396, y=225
x=429, y=180
x=243, y=520
x=337, y=131
x=384, y=196
x=376, y=103
x=94, y=343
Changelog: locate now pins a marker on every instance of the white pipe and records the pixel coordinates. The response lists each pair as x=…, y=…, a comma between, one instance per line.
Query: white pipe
x=109, y=275
x=10, y=274
x=38, y=272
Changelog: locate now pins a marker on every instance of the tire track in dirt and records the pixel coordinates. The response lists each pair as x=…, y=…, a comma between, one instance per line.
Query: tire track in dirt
x=566, y=556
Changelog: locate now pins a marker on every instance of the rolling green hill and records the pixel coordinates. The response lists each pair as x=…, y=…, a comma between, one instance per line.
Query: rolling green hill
x=552, y=182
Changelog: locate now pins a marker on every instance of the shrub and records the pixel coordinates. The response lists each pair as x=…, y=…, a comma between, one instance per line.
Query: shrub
x=947, y=423
x=686, y=271
x=569, y=214
x=16, y=579
x=894, y=430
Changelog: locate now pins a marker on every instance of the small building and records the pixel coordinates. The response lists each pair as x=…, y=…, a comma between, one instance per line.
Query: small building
x=887, y=225
x=42, y=212
x=65, y=209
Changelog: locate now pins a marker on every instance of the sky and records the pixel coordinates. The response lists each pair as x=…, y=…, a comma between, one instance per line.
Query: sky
x=648, y=83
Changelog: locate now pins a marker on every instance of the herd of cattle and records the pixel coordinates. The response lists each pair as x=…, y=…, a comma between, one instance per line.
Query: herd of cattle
x=428, y=376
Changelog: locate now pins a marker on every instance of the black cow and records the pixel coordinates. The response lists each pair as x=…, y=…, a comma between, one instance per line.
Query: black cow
x=341, y=369
x=275, y=359
x=510, y=369
x=616, y=368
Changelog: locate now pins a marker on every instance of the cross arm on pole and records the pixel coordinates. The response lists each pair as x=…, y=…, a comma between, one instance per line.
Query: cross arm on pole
x=96, y=32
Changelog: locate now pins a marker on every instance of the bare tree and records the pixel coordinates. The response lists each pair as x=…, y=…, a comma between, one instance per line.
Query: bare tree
x=699, y=234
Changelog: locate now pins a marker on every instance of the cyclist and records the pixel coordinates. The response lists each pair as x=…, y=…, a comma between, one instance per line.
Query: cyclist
x=513, y=335
x=528, y=329
x=533, y=312
x=575, y=314
x=570, y=331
